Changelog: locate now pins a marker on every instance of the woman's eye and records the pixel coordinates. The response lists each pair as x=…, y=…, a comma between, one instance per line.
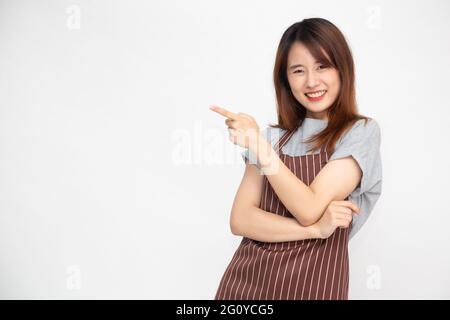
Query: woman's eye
x=298, y=71
x=322, y=67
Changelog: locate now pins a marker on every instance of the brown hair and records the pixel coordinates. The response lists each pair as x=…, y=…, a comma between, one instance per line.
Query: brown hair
x=319, y=36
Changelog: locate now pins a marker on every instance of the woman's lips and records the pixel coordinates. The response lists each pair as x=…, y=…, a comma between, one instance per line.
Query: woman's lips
x=316, y=95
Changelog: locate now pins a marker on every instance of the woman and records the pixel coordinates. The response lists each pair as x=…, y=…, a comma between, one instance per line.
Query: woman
x=292, y=206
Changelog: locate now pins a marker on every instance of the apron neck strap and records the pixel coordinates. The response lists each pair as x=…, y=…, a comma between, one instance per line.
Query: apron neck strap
x=283, y=140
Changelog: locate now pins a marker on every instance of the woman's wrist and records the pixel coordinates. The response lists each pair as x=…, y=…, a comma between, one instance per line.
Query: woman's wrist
x=314, y=231
x=265, y=154
x=260, y=146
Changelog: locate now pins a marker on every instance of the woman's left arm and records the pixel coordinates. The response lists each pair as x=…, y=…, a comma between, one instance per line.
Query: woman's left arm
x=335, y=181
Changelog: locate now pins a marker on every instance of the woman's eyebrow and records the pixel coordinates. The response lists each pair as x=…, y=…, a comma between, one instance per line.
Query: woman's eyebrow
x=300, y=65
x=295, y=66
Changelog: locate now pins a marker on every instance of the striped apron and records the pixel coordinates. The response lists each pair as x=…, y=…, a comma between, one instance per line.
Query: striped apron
x=303, y=269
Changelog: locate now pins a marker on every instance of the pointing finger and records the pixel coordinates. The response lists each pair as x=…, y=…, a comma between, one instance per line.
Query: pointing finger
x=224, y=112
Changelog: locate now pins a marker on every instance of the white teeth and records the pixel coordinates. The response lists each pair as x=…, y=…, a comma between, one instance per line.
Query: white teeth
x=315, y=94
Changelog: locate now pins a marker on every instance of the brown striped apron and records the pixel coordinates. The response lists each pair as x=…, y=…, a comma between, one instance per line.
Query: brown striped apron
x=303, y=269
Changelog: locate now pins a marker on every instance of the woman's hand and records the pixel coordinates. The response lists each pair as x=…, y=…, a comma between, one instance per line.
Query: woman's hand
x=243, y=129
x=337, y=214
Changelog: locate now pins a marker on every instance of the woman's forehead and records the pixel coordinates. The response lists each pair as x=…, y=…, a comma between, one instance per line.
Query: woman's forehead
x=300, y=54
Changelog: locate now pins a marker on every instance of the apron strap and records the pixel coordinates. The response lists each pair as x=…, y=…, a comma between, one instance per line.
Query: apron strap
x=283, y=140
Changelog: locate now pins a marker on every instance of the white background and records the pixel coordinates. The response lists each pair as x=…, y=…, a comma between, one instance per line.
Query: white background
x=117, y=180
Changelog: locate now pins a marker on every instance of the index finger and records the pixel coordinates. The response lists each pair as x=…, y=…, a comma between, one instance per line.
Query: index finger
x=224, y=112
x=350, y=205
x=354, y=207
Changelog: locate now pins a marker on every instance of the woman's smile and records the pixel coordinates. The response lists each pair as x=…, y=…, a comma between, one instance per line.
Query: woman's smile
x=315, y=95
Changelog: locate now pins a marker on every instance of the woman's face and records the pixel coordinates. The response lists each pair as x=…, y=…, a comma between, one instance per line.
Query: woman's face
x=315, y=86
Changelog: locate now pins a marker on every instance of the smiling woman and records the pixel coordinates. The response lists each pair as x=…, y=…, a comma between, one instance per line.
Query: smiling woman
x=293, y=205
x=312, y=81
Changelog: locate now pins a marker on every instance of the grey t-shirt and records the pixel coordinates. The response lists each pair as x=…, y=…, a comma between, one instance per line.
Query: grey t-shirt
x=362, y=142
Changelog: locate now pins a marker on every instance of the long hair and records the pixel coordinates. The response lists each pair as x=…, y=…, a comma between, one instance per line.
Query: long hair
x=317, y=34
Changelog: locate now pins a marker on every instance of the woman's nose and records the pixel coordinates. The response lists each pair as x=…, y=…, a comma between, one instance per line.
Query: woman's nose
x=312, y=80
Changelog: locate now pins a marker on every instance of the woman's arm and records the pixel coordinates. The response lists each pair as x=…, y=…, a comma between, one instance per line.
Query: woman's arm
x=248, y=220
x=265, y=226
x=335, y=181
x=269, y=227
x=306, y=203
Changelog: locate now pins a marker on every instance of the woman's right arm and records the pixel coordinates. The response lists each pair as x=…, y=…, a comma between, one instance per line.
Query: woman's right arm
x=265, y=226
x=248, y=220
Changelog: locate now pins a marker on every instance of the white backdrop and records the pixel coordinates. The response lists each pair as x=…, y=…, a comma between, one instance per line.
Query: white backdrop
x=117, y=180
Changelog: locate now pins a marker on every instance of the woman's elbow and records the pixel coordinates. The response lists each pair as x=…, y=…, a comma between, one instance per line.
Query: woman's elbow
x=235, y=224
x=234, y=229
x=307, y=220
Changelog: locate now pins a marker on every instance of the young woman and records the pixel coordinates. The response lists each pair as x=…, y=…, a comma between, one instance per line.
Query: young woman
x=292, y=207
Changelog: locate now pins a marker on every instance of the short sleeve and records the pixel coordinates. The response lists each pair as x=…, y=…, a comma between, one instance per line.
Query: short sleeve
x=362, y=142
x=270, y=134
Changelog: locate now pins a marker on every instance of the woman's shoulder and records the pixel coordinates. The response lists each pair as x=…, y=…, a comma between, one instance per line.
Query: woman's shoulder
x=363, y=129
x=366, y=124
